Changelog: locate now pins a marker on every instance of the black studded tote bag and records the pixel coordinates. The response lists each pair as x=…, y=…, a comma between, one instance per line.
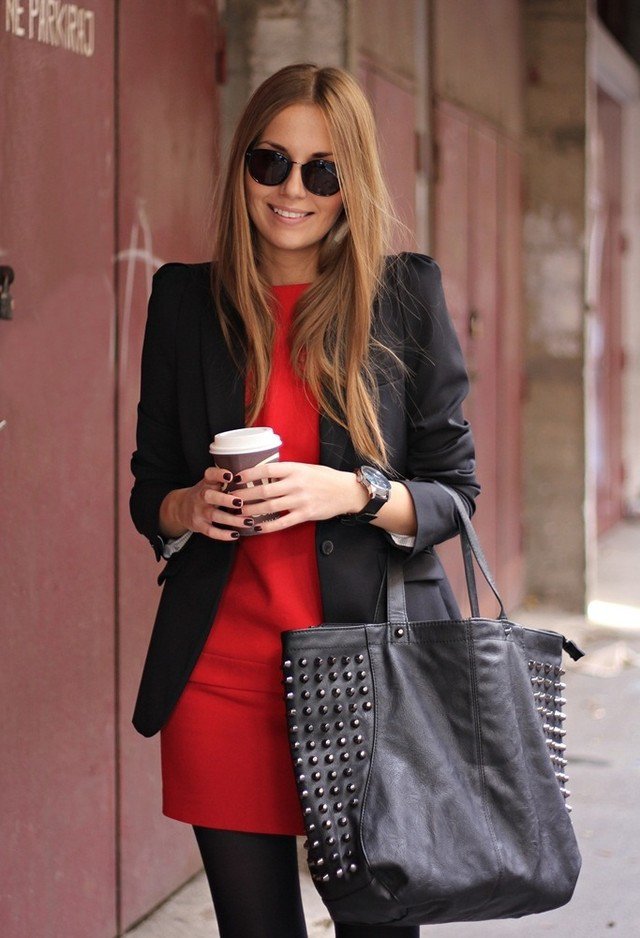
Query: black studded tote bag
x=430, y=761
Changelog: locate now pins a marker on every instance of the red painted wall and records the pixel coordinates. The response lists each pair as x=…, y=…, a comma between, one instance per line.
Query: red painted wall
x=394, y=110
x=57, y=771
x=106, y=162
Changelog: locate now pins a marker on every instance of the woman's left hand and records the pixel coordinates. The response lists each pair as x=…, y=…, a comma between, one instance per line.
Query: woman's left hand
x=306, y=492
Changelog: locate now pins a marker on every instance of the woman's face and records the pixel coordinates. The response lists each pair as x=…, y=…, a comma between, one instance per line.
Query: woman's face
x=300, y=132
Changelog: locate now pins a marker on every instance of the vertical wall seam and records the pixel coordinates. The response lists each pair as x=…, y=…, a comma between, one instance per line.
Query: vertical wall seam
x=116, y=472
x=432, y=129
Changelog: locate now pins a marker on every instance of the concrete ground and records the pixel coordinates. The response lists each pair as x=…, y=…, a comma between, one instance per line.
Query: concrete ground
x=603, y=692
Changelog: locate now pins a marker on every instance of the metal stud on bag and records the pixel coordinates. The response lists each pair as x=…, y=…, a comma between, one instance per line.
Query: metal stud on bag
x=549, y=704
x=330, y=857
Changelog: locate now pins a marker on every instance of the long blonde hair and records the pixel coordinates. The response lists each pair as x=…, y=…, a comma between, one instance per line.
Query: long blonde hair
x=331, y=340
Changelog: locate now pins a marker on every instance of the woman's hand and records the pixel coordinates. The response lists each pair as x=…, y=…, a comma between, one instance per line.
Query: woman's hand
x=199, y=508
x=305, y=492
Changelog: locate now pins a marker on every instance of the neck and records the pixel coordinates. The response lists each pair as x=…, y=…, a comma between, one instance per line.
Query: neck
x=283, y=267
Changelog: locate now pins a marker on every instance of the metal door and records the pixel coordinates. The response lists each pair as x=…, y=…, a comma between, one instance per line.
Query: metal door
x=85, y=222
x=482, y=326
x=477, y=237
x=57, y=359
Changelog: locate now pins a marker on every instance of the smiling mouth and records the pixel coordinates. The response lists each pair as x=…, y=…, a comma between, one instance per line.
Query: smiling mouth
x=285, y=213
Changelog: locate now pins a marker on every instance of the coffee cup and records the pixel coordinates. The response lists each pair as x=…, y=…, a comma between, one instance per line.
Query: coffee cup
x=244, y=448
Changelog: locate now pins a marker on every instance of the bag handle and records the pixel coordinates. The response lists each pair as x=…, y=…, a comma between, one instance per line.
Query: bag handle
x=471, y=548
x=470, y=545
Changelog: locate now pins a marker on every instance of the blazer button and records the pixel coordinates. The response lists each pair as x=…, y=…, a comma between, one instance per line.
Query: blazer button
x=326, y=547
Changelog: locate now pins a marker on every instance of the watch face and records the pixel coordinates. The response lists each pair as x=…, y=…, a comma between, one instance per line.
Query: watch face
x=376, y=478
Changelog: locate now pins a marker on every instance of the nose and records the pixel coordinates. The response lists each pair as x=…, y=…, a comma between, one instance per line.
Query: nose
x=293, y=185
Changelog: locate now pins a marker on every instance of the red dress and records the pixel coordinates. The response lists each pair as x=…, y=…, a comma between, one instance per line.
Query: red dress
x=224, y=749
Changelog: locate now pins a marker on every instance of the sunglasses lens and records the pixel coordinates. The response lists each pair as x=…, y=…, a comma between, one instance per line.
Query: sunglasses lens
x=268, y=167
x=320, y=177
x=271, y=168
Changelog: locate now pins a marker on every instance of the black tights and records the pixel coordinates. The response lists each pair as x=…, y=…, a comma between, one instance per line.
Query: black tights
x=256, y=889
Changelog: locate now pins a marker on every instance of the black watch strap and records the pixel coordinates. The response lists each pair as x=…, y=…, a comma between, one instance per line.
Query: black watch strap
x=373, y=480
x=367, y=514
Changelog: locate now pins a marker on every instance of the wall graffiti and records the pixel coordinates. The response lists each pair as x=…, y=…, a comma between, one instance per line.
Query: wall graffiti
x=65, y=25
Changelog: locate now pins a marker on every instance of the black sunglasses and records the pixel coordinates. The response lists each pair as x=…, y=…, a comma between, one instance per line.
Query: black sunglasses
x=271, y=168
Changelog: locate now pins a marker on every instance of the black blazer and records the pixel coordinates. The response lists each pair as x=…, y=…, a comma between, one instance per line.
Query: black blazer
x=191, y=390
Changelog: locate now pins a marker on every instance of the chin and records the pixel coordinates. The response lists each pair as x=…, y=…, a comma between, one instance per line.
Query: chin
x=290, y=243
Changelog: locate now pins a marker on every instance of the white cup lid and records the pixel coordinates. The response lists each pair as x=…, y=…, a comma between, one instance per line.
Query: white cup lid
x=244, y=440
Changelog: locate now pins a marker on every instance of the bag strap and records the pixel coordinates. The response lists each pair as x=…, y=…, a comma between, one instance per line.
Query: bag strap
x=396, y=595
x=470, y=545
x=471, y=548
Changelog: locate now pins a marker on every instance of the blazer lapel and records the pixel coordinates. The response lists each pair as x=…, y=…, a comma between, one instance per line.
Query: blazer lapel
x=223, y=383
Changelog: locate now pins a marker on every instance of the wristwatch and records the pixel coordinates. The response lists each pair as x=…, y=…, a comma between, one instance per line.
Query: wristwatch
x=378, y=488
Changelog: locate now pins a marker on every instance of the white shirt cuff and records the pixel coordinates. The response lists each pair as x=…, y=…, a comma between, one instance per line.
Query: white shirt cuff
x=173, y=544
x=403, y=540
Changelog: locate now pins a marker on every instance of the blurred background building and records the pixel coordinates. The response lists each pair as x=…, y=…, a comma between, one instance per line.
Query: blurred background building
x=509, y=130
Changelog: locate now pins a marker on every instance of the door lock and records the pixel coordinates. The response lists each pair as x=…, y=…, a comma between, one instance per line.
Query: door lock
x=6, y=300
x=475, y=324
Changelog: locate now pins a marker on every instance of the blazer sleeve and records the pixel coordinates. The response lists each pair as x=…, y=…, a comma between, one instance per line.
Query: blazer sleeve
x=158, y=463
x=439, y=440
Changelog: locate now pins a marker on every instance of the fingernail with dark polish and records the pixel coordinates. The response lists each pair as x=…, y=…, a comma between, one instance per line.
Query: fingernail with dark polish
x=235, y=534
x=237, y=502
x=237, y=478
x=248, y=522
x=257, y=528
x=227, y=476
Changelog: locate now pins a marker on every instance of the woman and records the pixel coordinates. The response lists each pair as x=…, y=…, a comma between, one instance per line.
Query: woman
x=301, y=323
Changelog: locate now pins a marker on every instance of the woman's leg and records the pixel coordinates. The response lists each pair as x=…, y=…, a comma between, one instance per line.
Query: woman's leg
x=254, y=883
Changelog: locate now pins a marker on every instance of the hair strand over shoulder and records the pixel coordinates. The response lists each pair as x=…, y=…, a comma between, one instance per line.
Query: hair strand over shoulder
x=331, y=341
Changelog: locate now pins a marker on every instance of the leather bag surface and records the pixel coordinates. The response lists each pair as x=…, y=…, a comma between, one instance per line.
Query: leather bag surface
x=430, y=761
